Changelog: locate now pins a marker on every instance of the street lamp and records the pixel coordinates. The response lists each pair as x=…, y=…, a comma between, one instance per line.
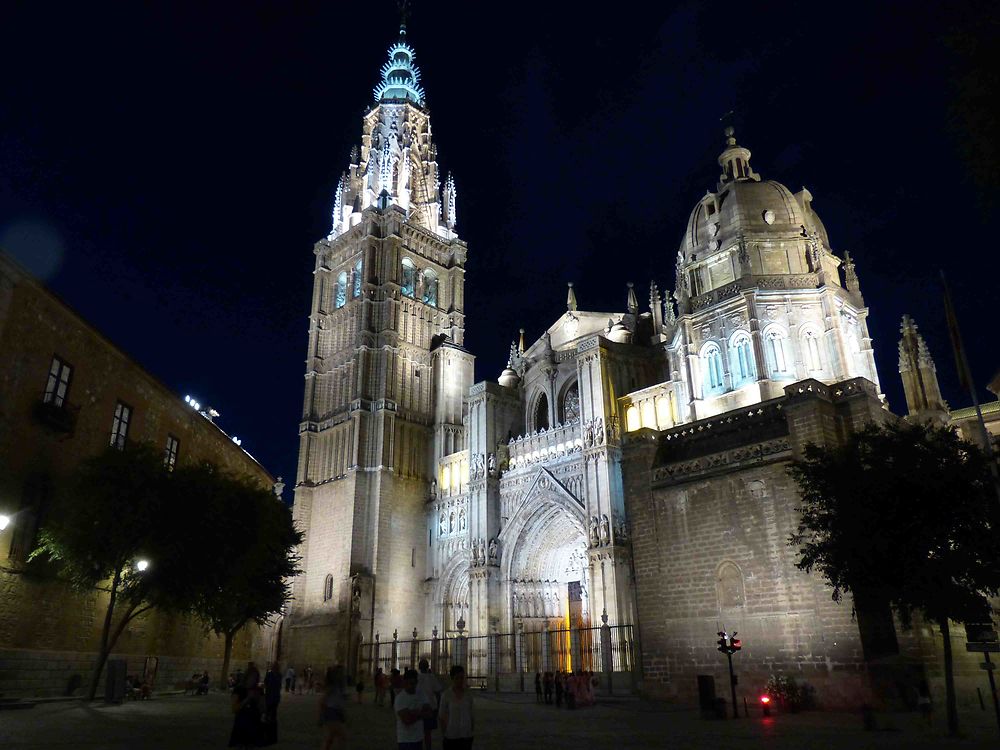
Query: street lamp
x=142, y=565
x=4, y=521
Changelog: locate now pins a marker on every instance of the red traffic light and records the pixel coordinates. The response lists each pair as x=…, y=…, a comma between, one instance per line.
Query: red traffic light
x=765, y=699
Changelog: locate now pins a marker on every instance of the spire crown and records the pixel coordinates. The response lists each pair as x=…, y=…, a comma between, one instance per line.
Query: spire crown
x=400, y=75
x=570, y=297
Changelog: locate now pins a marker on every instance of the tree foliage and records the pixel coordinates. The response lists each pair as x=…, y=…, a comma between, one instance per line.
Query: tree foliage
x=218, y=546
x=905, y=512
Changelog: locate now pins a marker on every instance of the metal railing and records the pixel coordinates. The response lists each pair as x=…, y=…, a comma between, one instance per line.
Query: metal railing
x=604, y=649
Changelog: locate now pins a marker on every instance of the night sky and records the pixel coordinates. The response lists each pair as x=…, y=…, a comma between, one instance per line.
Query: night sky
x=166, y=167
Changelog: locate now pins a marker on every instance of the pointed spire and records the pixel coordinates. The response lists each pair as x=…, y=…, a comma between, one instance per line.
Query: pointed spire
x=570, y=297
x=850, y=275
x=633, y=302
x=448, y=202
x=919, y=375
x=338, y=209
x=520, y=343
x=400, y=76
x=655, y=306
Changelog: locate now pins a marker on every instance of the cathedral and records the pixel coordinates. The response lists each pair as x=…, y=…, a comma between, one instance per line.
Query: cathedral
x=628, y=467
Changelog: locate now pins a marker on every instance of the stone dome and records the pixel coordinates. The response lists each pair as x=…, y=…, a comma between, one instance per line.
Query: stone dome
x=509, y=378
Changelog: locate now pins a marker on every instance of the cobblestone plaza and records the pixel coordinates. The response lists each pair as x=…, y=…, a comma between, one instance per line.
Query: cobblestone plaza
x=502, y=721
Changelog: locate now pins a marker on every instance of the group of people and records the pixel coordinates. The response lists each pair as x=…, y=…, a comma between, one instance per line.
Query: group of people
x=296, y=684
x=137, y=688
x=423, y=705
x=255, y=707
x=577, y=688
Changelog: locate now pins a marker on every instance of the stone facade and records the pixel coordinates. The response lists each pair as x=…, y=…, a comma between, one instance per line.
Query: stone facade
x=46, y=630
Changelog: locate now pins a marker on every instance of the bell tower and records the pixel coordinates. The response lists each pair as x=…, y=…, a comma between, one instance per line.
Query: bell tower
x=385, y=375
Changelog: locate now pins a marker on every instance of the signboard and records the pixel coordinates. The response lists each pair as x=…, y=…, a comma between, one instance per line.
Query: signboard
x=982, y=648
x=980, y=632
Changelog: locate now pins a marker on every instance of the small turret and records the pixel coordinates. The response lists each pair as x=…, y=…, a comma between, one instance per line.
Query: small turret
x=920, y=383
x=656, y=307
x=633, y=302
x=735, y=161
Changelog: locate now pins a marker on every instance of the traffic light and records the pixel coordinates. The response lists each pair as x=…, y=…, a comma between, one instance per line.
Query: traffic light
x=723, y=643
x=735, y=644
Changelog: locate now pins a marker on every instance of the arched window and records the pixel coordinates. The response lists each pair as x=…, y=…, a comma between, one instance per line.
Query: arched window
x=711, y=358
x=328, y=588
x=742, y=361
x=409, y=283
x=541, y=413
x=649, y=414
x=810, y=346
x=356, y=289
x=775, y=347
x=341, y=290
x=632, y=422
x=571, y=404
x=729, y=586
x=663, y=417
x=430, y=288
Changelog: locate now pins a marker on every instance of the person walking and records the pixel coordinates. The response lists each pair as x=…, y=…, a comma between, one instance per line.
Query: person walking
x=290, y=679
x=538, y=687
x=559, y=689
x=331, y=710
x=430, y=686
x=410, y=709
x=456, y=715
x=246, y=732
x=380, y=683
x=272, y=697
x=395, y=686
x=359, y=687
x=547, y=688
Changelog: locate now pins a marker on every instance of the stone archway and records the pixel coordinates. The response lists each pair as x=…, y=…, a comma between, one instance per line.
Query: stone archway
x=453, y=593
x=544, y=564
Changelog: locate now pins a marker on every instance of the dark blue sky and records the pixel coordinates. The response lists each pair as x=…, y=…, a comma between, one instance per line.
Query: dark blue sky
x=166, y=167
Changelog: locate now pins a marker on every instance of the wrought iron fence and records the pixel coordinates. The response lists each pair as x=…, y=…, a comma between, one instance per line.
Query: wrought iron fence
x=605, y=649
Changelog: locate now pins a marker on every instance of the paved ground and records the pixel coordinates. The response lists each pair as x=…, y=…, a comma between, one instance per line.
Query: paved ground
x=503, y=721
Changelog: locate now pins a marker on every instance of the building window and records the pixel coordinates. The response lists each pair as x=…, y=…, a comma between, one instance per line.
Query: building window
x=341, y=290
x=328, y=588
x=170, y=454
x=632, y=419
x=776, y=353
x=712, y=358
x=119, y=428
x=57, y=385
x=542, y=413
x=742, y=360
x=571, y=404
x=356, y=289
x=811, y=346
x=430, y=288
x=409, y=285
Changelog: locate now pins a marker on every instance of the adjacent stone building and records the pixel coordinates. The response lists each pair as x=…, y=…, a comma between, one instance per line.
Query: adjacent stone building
x=66, y=393
x=627, y=466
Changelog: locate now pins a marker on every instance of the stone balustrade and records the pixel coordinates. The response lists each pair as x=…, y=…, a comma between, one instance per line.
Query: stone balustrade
x=545, y=444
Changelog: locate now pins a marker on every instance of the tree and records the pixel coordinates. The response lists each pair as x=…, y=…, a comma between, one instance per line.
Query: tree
x=904, y=514
x=98, y=533
x=243, y=574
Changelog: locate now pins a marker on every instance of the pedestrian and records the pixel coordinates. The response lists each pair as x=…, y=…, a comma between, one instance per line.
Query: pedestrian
x=571, y=690
x=410, y=708
x=924, y=701
x=246, y=732
x=308, y=675
x=430, y=687
x=395, y=686
x=538, y=687
x=559, y=689
x=272, y=697
x=331, y=709
x=252, y=677
x=456, y=715
x=290, y=679
x=547, y=688
x=380, y=684
x=359, y=687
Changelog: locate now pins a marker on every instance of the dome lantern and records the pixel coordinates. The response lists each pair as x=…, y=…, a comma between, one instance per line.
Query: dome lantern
x=735, y=161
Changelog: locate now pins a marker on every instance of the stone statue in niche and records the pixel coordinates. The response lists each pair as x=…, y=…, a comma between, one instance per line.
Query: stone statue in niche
x=493, y=551
x=461, y=520
x=356, y=598
x=434, y=488
x=451, y=523
x=599, y=431
x=444, y=524
x=594, y=538
x=605, y=530
x=588, y=433
x=491, y=463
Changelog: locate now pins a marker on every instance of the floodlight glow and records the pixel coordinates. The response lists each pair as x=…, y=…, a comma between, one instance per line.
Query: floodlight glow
x=4, y=522
x=237, y=440
x=142, y=565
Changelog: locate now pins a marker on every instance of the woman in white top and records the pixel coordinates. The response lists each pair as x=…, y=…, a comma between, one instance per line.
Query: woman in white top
x=456, y=716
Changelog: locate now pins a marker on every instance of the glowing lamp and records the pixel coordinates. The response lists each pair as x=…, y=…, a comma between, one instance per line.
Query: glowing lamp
x=4, y=522
x=765, y=699
x=765, y=704
x=142, y=565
